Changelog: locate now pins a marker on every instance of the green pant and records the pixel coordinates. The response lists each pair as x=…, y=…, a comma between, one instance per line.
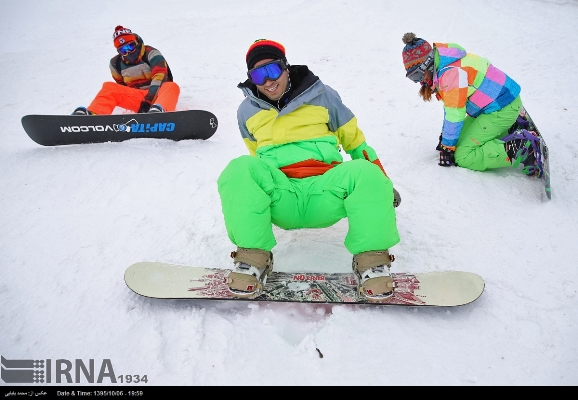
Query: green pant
x=255, y=195
x=479, y=147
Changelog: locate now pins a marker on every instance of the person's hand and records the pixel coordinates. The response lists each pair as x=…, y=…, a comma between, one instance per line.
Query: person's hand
x=396, y=198
x=439, y=146
x=447, y=158
x=144, y=107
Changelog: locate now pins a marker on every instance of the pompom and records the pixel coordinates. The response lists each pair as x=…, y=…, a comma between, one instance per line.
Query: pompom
x=408, y=38
x=119, y=28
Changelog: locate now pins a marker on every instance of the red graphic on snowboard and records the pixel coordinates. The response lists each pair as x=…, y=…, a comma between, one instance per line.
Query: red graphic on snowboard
x=318, y=288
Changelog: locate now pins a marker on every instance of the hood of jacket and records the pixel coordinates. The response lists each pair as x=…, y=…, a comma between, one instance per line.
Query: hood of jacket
x=448, y=53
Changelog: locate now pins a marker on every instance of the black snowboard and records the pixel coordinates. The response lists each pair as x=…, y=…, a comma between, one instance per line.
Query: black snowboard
x=55, y=130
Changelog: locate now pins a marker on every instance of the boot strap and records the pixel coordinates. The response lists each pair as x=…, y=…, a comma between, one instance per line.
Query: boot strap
x=369, y=259
x=378, y=286
x=255, y=257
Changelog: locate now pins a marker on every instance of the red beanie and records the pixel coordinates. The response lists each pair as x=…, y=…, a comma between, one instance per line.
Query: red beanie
x=263, y=49
x=122, y=35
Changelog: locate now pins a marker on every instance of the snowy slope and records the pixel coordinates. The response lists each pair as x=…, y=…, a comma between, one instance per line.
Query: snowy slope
x=73, y=218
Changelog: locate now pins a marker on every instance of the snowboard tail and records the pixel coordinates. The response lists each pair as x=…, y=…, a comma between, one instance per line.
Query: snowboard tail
x=166, y=281
x=56, y=130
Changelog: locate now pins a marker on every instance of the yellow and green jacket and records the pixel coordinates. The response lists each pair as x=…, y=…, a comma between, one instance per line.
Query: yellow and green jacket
x=312, y=123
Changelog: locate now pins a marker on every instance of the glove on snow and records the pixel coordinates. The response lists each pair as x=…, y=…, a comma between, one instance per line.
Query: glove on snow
x=396, y=198
x=144, y=107
x=447, y=156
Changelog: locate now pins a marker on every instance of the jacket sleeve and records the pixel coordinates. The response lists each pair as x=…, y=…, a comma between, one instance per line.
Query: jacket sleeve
x=344, y=123
x=358, y=152
x=159, y=72
x=116, y=74
x=453, y=91
x=248, y=139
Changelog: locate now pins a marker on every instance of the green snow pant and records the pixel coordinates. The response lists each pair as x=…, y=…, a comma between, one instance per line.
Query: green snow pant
x=255, y=195
x=479, y=147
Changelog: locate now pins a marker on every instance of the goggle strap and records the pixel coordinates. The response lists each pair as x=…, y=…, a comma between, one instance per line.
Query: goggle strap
x=427, y=63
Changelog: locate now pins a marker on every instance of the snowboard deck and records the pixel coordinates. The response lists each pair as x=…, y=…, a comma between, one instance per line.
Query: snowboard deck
x=167, y=281
x=524, y=121
x=56, y=130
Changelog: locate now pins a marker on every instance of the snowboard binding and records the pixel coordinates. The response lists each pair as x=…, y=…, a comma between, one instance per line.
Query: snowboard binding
x=371, y=271
x=252, y=267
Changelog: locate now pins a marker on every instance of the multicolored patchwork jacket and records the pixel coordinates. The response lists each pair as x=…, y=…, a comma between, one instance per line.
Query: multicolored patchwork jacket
x=149, y=72
x=468, y=84
x=313, y=125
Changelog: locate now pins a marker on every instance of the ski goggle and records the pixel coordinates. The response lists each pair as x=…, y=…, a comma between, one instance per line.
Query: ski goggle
x=127, y=48
x=271, y=70
x=417, y=74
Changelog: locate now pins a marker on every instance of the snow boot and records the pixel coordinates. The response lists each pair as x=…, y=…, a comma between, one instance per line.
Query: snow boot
x=523, y=147
x=156, y=108
x=371, y=270
x=252, y=267
x=82, y=111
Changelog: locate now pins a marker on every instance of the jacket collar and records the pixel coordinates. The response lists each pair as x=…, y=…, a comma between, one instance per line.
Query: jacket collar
x=303, y=81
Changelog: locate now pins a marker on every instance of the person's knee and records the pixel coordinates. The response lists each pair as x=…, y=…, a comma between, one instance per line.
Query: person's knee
x=172, y=87
x=242, y=163
x=462, y=153
x=370, y=170
x=470, y=159
x=238, y=167
x=464, y=158
x=109, y=86
x=361, y=167
x=365, y=177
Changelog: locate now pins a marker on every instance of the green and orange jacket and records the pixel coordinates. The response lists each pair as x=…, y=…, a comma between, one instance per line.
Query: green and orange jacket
x=309, y=129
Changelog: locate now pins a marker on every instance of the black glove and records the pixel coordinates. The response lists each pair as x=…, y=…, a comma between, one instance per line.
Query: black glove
x=446, y=157
x=144, y=107
x=396, y=198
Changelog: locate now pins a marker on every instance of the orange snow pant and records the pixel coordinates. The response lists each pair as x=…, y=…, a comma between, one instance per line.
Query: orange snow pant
x=112, y=94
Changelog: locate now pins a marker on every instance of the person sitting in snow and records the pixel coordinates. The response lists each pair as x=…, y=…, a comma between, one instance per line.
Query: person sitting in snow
x=293, y=126
x=480, y=102
x=143, y=80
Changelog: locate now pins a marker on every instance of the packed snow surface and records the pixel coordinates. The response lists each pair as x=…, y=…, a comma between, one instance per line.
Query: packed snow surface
x=73, y=218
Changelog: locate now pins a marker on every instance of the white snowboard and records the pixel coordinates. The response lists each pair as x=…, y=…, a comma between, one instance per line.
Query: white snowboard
x=166, y=281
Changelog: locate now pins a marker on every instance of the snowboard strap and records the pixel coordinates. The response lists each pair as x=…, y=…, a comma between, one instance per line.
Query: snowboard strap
x=255, y=257
x=370, y=259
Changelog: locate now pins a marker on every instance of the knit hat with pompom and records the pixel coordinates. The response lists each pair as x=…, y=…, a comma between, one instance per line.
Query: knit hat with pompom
x=122, y=35
x=415, y=51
